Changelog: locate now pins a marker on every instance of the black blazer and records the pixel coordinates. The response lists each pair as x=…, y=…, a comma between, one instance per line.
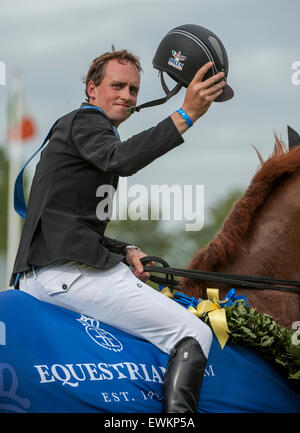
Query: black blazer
x=83, y=153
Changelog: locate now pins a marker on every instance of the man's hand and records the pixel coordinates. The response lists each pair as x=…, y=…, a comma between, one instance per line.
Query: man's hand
x=133, y=257
x=199, y=96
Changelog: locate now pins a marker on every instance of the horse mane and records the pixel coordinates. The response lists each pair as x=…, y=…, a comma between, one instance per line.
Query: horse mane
x=238, y=222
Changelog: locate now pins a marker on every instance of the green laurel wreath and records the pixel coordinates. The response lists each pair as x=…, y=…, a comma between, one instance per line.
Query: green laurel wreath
x=279, y=345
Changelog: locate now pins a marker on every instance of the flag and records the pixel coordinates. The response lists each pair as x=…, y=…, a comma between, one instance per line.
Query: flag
x=24, y=129
x=21, y=126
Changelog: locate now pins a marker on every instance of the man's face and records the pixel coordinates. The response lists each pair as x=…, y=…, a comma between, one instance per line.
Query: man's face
x=117, y=91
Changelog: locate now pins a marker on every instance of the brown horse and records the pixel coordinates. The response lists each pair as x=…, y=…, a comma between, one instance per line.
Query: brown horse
x=260, y=236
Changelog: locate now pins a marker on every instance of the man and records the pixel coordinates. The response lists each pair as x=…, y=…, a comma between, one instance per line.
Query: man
x=64, y=257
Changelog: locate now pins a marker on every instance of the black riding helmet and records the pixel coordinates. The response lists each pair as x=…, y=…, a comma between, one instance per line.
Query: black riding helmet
x=182, y=52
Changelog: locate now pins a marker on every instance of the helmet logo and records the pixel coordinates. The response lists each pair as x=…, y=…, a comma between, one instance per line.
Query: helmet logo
x=176, y=60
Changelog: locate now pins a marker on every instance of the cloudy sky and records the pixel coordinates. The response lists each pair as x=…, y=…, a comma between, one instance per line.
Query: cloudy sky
x=53, y=43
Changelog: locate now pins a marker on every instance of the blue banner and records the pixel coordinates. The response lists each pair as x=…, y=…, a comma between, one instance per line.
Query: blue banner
x=54, y=360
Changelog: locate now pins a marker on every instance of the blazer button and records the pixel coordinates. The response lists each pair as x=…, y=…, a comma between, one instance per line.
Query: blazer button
x=64, y=286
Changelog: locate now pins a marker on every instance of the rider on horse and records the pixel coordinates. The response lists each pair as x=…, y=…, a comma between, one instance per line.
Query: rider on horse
x=64, y=257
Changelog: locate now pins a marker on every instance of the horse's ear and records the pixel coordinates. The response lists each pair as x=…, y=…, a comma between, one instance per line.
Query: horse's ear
x=293, y=137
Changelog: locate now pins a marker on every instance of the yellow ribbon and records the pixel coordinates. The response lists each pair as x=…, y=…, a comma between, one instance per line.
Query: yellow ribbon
x=216, y=314
x=167, y=292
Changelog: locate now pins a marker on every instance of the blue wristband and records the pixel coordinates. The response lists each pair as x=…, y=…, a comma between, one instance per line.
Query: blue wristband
x=186, y=117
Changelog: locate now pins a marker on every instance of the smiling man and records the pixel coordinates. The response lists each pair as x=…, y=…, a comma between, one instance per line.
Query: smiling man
x=117, y=91
x=64, y=256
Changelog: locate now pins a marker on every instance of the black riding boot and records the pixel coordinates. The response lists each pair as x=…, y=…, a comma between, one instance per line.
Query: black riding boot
x=183, y=377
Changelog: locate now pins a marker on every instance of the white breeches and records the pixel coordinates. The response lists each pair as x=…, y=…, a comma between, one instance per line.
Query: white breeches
x=116, y=297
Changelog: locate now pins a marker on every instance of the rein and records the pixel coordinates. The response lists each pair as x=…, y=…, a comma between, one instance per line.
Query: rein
x=247, y=281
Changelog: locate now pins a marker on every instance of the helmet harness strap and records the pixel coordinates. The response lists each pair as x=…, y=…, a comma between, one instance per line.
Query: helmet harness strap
x=169, y=93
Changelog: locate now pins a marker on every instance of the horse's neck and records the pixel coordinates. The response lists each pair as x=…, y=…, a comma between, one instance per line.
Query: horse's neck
x=272, y=248
x=272, y=245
